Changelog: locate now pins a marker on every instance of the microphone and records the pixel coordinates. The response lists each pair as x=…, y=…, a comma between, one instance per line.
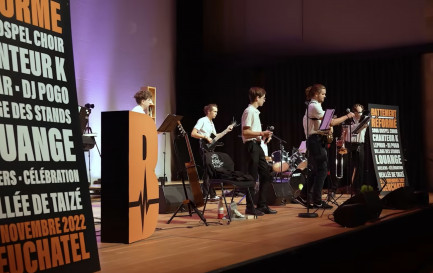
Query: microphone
x=349, y=120
x=270, y=128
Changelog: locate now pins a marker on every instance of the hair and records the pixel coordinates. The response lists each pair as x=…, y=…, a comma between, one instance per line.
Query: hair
x=312, y=90
x=142, y=95
x=208, y=108
x=357, y=105
x=255, y=92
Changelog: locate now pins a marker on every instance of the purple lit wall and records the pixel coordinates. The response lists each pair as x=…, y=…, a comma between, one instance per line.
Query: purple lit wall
x=120, y=46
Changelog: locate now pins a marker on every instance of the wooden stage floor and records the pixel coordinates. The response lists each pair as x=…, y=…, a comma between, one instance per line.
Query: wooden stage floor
x=279, y=242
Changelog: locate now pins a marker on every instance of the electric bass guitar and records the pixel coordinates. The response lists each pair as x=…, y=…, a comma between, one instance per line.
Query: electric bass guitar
x=191, y=170
x=210, y=147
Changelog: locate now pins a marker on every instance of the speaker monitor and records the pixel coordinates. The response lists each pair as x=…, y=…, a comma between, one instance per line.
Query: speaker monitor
x=280, y=194
x=297, y=182
x=171, y=197
x=358, y=210
x=351, y=215
x=401, y=198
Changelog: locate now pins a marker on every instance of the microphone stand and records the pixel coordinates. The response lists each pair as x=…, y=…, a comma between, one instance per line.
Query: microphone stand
x=307, y=214
x=350, y=122
x=281, y=155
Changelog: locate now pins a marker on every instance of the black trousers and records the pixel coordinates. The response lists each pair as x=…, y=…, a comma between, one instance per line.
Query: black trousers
x=259, y=169
x=317, y=168
x=357, y=155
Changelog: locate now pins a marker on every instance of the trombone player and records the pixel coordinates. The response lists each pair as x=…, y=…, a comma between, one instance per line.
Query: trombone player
x=355, y=145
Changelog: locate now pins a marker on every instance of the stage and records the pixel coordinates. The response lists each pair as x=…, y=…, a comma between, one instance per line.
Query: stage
x=400, y=241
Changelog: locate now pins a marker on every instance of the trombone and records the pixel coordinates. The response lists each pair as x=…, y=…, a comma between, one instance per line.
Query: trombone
x=340, y=151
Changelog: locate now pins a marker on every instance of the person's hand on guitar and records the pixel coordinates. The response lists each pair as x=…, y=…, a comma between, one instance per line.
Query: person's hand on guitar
x=227, y=130
x=208, y=139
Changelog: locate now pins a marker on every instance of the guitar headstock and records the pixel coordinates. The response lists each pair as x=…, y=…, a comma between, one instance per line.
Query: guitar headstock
x=234, y=123
x=182, y=131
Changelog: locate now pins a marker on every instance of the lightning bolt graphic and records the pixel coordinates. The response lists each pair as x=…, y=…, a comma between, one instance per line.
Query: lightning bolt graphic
x=143, y=202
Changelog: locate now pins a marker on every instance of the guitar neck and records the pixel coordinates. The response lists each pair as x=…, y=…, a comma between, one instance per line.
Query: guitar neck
x=188, y=145
x=221, y=134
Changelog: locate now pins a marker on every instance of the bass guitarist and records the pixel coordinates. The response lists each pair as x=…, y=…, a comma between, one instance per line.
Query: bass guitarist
x=203, y=130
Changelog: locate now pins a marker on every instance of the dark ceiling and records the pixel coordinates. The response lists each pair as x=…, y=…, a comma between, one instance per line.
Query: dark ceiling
x=304, y=27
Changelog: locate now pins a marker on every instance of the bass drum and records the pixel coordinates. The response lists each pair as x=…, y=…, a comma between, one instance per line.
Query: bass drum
x=298, y=161
x=281, y=163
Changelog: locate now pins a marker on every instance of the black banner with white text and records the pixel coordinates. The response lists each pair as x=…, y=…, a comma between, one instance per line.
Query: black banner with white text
x=46, y=221
x=386, y=147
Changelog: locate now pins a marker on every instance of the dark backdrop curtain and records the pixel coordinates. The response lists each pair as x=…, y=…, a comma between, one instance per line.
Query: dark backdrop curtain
x=379, y=78
x=390, y=77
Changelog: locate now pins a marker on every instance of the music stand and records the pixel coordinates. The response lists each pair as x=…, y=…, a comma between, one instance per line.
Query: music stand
x=168, y=125
x=361, y=125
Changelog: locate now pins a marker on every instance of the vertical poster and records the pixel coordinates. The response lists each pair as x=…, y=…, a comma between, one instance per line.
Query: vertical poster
x=46, y=221
x=386, y=147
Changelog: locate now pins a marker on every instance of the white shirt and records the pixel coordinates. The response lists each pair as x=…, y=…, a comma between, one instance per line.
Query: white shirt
x=251, y=118
x=315, y=113
x=138, y=109
x=264, y=148
x=360, y=137
x=205, y=127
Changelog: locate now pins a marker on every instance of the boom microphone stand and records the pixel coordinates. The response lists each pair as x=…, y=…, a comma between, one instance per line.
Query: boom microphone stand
x=281, y=154
x=307, y=214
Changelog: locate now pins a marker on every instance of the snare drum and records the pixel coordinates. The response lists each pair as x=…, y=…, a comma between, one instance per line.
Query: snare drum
x=298, y=161
x=280, y=165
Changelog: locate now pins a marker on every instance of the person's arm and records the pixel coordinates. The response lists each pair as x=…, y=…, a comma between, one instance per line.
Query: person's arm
x=228, y=129
x=248, y=133
x=196, y=135
x=337, y=121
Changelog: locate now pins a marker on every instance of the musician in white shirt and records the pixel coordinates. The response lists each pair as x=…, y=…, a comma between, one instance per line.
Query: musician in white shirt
x=311, y=194
x=252, y=136
x=204, y=129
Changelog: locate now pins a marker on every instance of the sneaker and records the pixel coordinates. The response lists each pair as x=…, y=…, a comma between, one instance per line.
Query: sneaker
x=303, y=202
x=214, y=198
x=236, y=214
x=322, y=205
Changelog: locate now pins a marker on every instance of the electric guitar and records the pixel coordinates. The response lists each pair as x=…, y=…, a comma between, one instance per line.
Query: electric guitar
x=191, y=169
x=210, y=147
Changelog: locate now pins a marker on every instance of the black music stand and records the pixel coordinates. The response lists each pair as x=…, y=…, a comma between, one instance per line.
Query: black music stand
x=168, y=125
x=361, y=125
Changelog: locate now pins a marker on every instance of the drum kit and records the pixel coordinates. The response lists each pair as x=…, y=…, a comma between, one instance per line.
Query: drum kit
x=282, y=161
x=293, y=166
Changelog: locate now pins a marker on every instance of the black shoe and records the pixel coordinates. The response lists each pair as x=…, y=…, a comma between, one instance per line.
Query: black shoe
x=254, y=212
x=322, y=205
x=267, y=210
x=303, y=202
